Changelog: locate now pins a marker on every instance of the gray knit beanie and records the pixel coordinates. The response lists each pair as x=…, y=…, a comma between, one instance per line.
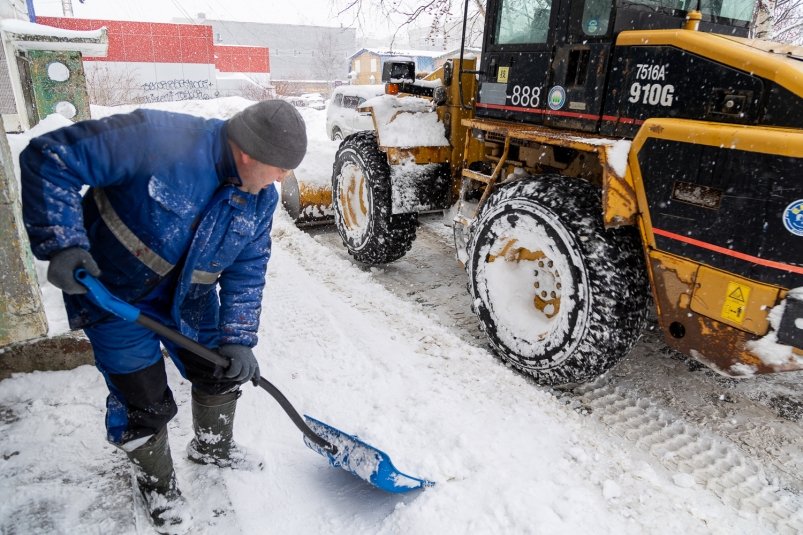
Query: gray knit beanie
x=271, y=131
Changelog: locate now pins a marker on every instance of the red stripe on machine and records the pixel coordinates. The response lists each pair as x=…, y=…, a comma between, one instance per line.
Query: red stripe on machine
x=559, y=113
x=735, y=254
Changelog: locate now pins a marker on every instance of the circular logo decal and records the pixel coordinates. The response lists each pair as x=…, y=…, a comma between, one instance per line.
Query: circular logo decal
x=557, y=97
x=793, y=218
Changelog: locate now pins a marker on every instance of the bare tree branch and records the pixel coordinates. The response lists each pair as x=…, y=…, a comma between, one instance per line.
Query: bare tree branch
x=442, y=16
x=779, y=20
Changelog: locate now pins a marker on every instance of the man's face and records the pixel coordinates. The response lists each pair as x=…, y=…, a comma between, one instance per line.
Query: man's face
x=256, y=175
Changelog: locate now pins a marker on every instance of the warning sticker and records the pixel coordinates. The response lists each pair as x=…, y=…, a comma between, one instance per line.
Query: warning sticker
x=736, y=297
x=501, y=77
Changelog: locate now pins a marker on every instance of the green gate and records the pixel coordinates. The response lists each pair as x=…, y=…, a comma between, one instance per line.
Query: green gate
x=58, y=84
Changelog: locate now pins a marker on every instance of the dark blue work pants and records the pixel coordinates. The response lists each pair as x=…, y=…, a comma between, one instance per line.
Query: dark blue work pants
x=129, y=356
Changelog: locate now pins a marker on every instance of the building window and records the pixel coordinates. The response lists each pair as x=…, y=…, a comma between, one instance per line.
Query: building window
x=357, y=66
x=373, y=65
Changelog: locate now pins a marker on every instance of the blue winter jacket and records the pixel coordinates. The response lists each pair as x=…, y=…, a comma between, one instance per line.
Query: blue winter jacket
x=162, y=203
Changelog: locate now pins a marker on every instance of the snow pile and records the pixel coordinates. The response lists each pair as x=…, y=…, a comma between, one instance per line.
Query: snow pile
x=409, y=180
x=767, y=348
x=316, y=168
x=18, y=142
x=219, y=108
x=407, y=122
x=616, y=156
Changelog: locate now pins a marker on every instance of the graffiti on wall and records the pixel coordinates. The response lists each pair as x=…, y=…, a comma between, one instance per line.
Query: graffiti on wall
x=179, y=89
x=171, y=85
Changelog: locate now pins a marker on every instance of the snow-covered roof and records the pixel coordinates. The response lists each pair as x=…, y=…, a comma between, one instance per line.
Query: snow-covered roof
x=21, y=27
x=25, y=35
x=400, y=52
x=364, y=91
x=467, y=51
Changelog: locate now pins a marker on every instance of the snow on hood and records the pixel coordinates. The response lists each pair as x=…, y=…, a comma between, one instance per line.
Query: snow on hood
x=407, y=122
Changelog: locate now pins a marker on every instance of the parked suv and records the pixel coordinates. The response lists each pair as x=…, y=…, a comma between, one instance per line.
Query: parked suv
x=342, y=117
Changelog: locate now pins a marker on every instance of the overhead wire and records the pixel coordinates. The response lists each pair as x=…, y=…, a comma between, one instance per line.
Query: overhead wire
x=181, y=9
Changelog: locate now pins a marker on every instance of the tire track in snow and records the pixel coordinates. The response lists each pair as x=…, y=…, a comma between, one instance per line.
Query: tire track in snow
x=695, y=456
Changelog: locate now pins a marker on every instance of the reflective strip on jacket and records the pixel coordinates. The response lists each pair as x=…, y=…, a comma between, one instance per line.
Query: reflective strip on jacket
x=161, y=204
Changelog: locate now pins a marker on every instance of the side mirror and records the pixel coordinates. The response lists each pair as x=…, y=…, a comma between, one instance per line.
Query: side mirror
x=448, y=69
x=398, y=71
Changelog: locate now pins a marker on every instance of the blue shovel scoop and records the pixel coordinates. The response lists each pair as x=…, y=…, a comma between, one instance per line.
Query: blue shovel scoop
x=341, y=449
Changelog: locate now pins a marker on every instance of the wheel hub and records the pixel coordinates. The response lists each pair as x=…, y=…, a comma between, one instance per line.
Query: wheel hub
x=546, y=283
x=354, y=198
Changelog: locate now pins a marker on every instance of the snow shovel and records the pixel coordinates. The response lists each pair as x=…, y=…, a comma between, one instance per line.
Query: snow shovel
x=341, y=449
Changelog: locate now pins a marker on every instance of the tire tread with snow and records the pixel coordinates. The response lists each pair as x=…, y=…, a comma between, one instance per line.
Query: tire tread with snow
x=599, y=271
x=380, y=236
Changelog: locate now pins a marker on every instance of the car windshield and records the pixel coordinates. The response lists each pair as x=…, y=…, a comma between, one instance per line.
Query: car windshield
x=741, y=10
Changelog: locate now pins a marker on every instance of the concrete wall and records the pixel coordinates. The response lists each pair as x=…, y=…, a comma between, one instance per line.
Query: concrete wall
x=160, y=62
x=21, y=314
x=295, y=51
x=154, y=82
x=24, y=346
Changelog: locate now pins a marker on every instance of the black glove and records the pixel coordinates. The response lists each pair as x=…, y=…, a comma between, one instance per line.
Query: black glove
x=243, y=366
x=61, y=271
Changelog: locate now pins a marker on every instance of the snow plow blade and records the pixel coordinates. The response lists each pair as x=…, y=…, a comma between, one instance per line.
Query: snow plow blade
x=307, y=204
x=362, y=460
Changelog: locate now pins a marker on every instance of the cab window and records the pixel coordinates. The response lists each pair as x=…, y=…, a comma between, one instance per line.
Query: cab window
x=523, y=22
x=725, y=11
x=338, y=101
x=596, y=16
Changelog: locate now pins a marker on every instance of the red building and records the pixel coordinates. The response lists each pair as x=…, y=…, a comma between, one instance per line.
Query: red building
x=172, y=61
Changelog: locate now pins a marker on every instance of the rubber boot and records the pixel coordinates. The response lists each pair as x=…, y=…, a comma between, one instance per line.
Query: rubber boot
x=156, y=479
x=213, y=423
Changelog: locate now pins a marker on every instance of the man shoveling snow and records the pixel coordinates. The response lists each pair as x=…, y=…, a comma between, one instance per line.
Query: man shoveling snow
x=178, y=207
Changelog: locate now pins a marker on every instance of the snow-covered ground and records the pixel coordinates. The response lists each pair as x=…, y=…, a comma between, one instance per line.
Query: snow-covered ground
x=506, y=456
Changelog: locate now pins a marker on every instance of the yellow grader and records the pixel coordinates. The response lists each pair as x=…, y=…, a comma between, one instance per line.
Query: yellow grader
x=600, y=151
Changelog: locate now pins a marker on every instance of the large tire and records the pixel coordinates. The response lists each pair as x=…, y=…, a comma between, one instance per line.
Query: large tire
x=560, y=297
x=361, y=197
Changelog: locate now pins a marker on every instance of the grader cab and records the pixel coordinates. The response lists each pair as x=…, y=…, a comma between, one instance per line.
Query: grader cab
x=600, y=151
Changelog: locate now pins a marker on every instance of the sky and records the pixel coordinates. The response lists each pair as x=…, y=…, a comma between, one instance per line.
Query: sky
x=369, y=21
x=305, y=12
x=315, y=12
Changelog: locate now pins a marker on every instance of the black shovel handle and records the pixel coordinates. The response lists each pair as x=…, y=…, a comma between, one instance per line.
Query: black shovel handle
x=104, y=299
